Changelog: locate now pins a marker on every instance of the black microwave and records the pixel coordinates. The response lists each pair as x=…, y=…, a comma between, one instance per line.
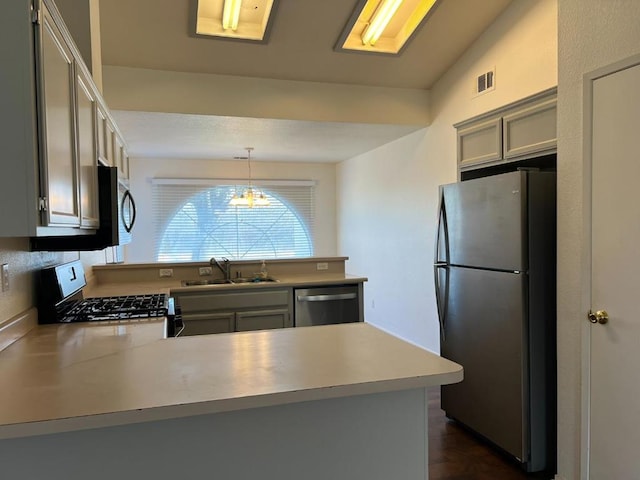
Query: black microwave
x=117, y=210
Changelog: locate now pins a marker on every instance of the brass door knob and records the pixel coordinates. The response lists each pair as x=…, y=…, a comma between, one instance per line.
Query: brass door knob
x=601, y=317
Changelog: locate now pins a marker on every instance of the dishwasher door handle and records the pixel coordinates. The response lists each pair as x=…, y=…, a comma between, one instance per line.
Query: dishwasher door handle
x=326, y=298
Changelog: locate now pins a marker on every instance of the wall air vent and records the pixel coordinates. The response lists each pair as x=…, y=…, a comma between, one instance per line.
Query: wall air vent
x=485, y=82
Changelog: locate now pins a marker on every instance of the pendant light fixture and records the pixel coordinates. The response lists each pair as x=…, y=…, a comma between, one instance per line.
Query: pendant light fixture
x=249, y=198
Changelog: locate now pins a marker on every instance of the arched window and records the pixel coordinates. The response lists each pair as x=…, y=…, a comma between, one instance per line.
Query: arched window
x=195, y=223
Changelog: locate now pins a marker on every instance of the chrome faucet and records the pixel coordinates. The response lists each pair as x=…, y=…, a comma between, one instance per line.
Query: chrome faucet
x=225, y=268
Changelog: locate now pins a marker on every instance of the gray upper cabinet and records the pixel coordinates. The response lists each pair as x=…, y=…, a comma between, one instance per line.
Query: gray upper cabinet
x=517, y=131
x=86, y=110
x=111, y=146
x=54, y=134
x=121, y=158
x=480, y=143
x=104, y=152
x=530, y=130
x=59, y=170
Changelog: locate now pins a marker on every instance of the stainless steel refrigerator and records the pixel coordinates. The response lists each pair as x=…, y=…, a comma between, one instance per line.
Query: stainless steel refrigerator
x=495, y=291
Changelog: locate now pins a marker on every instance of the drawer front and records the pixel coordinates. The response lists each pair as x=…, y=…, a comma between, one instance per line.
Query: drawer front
x=207, y=323
x=233, y=300
x=262, y=320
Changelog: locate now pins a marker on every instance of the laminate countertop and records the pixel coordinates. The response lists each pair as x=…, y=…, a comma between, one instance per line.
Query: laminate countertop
x=171, y=284
x=78, y=376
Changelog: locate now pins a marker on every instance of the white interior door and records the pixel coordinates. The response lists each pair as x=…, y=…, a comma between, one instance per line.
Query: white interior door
x=614, y=415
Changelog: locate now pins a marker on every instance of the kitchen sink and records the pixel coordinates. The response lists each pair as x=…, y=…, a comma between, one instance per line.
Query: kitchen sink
x=254, y=280
x=220, y=281
x=217, y=281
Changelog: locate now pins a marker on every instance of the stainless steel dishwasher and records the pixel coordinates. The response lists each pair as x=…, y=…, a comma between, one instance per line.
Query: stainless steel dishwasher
x=326, y=305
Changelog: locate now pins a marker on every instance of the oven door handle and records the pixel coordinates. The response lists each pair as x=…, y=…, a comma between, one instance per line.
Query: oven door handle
x=326, y=298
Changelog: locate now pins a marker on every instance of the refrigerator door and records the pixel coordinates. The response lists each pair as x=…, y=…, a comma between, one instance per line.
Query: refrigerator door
x=485, y=333
x=486, y=222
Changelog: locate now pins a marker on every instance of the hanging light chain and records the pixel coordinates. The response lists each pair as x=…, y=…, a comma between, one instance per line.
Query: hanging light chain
x=248, y=197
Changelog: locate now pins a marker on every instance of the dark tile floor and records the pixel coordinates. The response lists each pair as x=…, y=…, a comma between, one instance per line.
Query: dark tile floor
x=456, y=454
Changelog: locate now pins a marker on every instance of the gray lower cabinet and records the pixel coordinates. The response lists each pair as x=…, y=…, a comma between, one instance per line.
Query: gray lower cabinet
x=206, y=311
x=517, y=131
x=208, y=322
x=262, y=320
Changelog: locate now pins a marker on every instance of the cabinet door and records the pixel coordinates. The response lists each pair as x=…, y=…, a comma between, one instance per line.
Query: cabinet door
x=87, y=155
x=125, y=164
x=59, y=184
x=103, y=154
x=480, y=143
x=207, y=323
x=531, y=130
x=110, y=137
x=121, y=160
x=262, y=320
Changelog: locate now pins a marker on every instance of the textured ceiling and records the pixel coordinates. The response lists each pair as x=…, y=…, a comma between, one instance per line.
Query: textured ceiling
x=155, y=34
x=170, y=135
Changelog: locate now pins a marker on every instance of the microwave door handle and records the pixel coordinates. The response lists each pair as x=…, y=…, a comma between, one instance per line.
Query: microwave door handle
x=133, y=211
x=127, y=196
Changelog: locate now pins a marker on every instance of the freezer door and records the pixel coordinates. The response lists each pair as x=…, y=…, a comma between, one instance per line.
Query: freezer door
x=486, y=221
x=484, y=332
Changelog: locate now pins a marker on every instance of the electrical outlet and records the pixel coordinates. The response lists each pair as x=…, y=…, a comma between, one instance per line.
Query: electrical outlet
x=322, y=266
x=5, y=277
x=205, y=271
x=166, y=272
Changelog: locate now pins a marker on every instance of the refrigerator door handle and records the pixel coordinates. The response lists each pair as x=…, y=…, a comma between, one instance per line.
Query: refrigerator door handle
x=442, y=227
x=441, y=303
x=440, y=263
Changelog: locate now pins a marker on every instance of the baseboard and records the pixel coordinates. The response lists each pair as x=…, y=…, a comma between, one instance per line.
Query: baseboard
x=17, y=327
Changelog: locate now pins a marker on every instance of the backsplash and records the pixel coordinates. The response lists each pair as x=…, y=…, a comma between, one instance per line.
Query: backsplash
x=23, y=264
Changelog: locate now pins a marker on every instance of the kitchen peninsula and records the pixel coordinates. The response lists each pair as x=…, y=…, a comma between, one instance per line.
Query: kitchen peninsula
x=119, y=401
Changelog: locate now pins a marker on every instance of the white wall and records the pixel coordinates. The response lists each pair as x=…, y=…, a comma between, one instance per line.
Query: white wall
x=390, y=239
x=143, y=170
x=592, y=34
x=145, y=90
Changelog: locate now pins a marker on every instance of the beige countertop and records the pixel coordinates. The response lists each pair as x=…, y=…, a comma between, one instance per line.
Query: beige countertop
x=77, y=376
x=166, y=285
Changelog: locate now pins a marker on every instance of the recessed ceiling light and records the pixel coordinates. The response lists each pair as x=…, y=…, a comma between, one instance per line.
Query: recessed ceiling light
x=384, y=26
x=239, y=19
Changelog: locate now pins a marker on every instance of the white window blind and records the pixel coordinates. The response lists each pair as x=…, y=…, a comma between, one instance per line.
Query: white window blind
x=194, y=221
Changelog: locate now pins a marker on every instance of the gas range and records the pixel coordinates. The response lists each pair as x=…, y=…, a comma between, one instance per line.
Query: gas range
x=61, y=300
x=124, y=307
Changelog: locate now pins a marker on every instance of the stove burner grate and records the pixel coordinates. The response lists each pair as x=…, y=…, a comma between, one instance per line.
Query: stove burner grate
x=114, y=308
